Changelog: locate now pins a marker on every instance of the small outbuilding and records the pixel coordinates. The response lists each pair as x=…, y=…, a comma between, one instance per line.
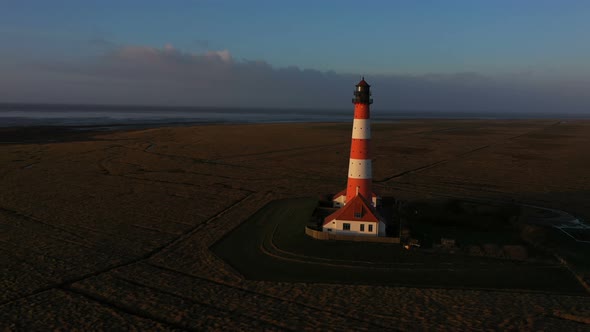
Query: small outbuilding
x=339, y=200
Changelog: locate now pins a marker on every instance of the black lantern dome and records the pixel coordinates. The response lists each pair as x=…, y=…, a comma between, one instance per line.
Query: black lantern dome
x=362, y=93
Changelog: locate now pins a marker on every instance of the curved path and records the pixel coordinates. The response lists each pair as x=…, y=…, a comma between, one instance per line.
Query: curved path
x=274, y=247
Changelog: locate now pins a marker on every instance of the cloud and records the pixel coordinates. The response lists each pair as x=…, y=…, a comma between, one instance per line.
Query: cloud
x=223, y=55
x=148, y=75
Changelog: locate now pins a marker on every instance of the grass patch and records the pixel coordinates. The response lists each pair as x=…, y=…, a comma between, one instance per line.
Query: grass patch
x=272, y=245
x=467, y=222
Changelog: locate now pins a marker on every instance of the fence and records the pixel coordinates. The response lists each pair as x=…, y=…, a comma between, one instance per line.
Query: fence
x=319, y=235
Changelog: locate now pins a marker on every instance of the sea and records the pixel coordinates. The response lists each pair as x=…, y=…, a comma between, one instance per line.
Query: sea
x=19, y=115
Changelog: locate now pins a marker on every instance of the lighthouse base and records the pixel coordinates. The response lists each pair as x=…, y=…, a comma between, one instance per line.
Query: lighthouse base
x=339, y=200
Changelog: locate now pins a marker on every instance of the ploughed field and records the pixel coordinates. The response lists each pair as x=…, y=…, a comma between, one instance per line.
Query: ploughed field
x=115, y=231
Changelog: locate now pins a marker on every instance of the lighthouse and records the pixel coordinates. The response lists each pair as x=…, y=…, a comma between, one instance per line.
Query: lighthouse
x=359, y=167
x=357, y=213
x=360, y=176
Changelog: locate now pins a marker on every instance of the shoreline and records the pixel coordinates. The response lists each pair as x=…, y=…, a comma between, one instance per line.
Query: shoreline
x=47, y=133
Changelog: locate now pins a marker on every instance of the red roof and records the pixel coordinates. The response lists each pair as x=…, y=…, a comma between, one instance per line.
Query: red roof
x=363, y=83
x=357, y=209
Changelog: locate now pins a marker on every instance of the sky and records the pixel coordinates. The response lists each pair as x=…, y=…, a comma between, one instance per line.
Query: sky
x=459, y=55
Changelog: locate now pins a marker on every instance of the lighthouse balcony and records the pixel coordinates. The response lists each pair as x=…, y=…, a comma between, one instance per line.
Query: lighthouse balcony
x=362, y=100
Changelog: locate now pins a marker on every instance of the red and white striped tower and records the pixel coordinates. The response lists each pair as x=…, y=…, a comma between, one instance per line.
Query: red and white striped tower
x=359, y=169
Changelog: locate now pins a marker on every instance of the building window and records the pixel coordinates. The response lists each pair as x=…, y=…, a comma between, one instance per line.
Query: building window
x=358, y=215
x=362, y=227
x=346, y=226
x=370, y=228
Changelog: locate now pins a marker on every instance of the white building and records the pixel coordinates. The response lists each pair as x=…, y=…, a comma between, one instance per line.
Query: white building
x=357, y=217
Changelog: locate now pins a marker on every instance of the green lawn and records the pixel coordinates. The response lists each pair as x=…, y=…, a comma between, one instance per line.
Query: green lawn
x=272, y=245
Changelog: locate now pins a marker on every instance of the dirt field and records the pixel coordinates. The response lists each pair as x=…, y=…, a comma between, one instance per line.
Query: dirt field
x=114, y=232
